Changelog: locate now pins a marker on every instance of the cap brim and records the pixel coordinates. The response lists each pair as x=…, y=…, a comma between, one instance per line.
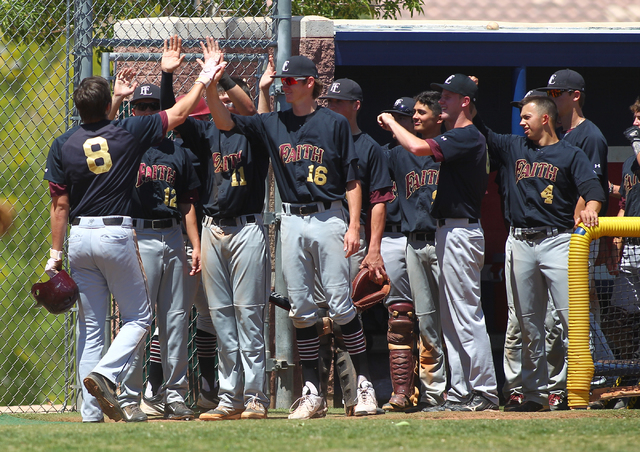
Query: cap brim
x=291, y=75
x=338, y=97
x=397, y=112
x=438, y=86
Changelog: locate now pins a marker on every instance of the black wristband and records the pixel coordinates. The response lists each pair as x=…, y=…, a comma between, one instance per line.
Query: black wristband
x=226, y=82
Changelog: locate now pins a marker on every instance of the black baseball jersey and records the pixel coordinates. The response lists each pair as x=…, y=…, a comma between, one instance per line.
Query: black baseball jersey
x=313, y=156
x=464, y=172
x=588, y=137
x=98, y=163
x=165, y=176
x=542, y=182
x=628, y=189
x=236, y=168
x=393, y=207
x=417, y=184
x=372, y=169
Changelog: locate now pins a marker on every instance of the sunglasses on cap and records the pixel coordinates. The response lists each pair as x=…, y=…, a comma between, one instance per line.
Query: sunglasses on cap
x=293, y=80
x=558, y=92
x=144, y=106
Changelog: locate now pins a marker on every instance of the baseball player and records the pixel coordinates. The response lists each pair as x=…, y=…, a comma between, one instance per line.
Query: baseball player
x=462, y=181
x=91, y=171
x=416, y=179
x=393, y=249
x=544, y=178
x=567, y=89
x=344, y=97
x=315, y=166
x=235, y=257
x=164, y=194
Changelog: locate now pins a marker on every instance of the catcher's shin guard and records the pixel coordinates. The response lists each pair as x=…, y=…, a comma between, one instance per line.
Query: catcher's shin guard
x=348, y=380
x=400, y=337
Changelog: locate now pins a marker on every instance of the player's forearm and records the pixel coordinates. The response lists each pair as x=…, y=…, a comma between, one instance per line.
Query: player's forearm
x=177, y=114
x=59, y=220
x=593, y=205
x=264, y=100
x=377, y=215
x=221, y=116
x=409, y=141
x=116, y=102
x=190, y=221
x=241, y=101
x=354, y=200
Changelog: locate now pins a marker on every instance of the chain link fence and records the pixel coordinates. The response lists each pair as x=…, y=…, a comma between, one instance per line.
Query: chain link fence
x=47, y=46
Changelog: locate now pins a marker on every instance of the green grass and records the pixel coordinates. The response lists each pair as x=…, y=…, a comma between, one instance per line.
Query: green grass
x=567, y=431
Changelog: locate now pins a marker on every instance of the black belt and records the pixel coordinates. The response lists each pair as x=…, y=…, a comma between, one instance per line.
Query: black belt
x=633, y=240
x=421, y=236
x=233, y=221
x=163, y=223
x=538, y=232
x=112, y=221
x=392, y=228
x=443, y=221
x=309, y=208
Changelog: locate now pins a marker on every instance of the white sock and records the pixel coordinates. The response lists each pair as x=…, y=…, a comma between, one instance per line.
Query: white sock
x=361, y=380
x=312, y=388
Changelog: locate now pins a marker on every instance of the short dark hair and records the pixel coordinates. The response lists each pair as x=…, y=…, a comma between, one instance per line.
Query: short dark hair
x=91, y=98
x=582, y=100
x=545, y=105
x=635, y=108
x=318, y=87
x=430, y=99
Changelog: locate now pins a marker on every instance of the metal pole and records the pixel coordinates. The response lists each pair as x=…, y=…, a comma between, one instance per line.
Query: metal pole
x=519, y=90
x=83, y=39
x=283, y=326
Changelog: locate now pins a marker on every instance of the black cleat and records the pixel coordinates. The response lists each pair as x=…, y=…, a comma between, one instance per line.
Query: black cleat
x=530, y=407
x=105, y=392
x=478, y=402
x=178, y=411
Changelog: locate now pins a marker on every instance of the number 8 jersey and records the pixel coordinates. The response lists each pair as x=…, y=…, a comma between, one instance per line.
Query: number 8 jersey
x=98, y=163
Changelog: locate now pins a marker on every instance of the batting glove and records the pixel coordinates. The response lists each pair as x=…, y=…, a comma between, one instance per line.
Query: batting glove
x=209, y=71
x=633, y=135
x=54, y=264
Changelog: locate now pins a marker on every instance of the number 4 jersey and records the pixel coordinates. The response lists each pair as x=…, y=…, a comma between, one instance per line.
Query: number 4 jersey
x=98, y=163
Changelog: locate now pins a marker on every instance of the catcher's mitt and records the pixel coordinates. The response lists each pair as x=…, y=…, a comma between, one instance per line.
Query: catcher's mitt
x=367, y=293
x=6, y=217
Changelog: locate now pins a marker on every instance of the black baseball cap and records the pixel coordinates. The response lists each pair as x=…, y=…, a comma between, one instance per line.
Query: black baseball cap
x=297, y=66
x=459, y=84
x=344, y=89
x=565, y=79
x=146, y=92
x=403, y=106
x=533, y=92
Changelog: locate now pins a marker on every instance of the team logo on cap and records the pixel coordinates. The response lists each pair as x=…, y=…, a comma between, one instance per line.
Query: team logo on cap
x=335, y=88
x=398, y=104
x=449, y=79
x=145, y=90
x=285, y=66
x=552, y=79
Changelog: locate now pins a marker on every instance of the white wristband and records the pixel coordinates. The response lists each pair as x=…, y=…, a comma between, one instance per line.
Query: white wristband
x=55, y=254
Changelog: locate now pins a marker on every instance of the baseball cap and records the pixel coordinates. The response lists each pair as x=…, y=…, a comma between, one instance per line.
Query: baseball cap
x=459, y=84
x=403, y=106
x=144, y=92
x=297, y=66
x=565, y=79
x=344, y=89
x=201, y=109
x=533, y=92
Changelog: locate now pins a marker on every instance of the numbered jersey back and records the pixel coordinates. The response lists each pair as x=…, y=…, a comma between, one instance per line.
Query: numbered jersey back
x=98, y=163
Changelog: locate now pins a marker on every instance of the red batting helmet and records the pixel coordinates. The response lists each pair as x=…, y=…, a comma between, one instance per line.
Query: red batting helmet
x=58, y=294
x=201, y=109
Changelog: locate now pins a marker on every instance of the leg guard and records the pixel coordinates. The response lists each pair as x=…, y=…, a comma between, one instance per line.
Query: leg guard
x=346, y=373
x=401, y=360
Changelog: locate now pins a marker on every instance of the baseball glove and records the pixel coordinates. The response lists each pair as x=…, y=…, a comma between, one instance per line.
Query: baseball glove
x=6, y=217
x=367, y=293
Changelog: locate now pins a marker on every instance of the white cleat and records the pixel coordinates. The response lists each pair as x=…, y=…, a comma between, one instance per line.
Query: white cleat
x=367, y=403
x=309, y=406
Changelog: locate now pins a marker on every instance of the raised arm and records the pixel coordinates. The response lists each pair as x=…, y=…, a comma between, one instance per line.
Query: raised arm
x=221, y=116
x=406, y=139
x=264, y=98
x=123, y=87
x=172, y=58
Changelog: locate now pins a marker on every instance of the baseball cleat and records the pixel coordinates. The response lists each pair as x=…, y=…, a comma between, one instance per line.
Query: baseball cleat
x=178, y=411
x=309, y=406
x=133, y=413
x=398, y=403
x=254, y=410
x=105, y=393
x=367, y=403
x=515, y=400
x=478, y=402
x=530, y=407
x=153, y=406
x=558, y=402
x=208, y=400
x=222, y=413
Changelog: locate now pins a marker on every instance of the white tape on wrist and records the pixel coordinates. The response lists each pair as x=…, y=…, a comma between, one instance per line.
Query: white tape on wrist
x=55, y=254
